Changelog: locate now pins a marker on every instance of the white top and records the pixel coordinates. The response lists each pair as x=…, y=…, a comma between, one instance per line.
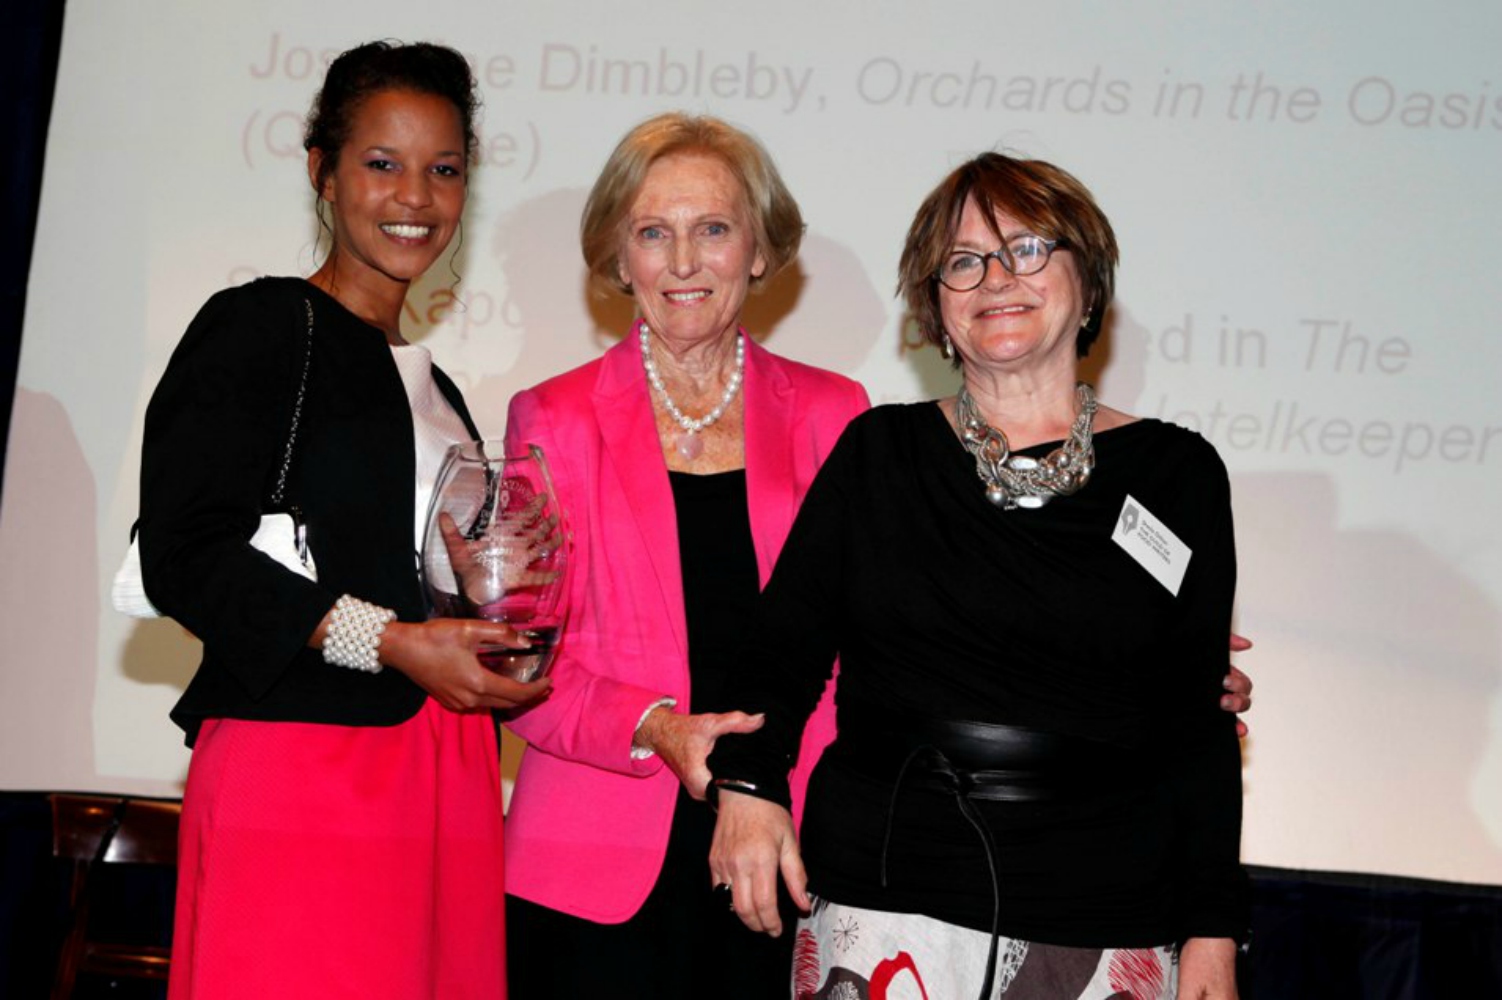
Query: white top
x=435, y=426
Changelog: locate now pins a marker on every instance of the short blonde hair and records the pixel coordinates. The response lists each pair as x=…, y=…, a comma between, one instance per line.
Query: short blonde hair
x=1048, y=199
x=775, y=217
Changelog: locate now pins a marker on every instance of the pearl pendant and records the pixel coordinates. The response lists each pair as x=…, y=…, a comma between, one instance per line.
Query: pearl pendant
x=690, y=446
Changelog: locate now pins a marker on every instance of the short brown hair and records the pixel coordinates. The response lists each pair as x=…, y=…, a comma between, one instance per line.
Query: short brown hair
x=775, y=217
x=1049, y=200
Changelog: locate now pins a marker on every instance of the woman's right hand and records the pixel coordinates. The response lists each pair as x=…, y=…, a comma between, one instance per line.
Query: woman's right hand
x=684, y=742
x=754, y=842
x=439, y=657
x=1207, y=969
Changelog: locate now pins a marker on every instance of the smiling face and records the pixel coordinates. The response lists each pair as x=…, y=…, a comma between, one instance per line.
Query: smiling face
x=689, y=248
x=397, y=191
x=1011, y=323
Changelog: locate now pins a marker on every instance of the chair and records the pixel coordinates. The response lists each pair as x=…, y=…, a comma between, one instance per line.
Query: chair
x=91, y=830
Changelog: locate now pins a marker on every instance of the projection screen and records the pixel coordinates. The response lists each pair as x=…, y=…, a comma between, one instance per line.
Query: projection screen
x=1307, y=201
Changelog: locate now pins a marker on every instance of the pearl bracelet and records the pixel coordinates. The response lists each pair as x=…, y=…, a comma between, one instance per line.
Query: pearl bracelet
x=353, y=638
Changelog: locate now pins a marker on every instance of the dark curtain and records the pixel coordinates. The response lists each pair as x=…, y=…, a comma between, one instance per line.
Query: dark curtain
x=35, y=30
x=1337, y=936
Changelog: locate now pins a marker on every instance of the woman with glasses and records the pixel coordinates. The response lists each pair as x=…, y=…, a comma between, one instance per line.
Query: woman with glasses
x=1028, y=592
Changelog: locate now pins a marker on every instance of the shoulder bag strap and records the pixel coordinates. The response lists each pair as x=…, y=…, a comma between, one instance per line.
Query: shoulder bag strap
x=279, y=493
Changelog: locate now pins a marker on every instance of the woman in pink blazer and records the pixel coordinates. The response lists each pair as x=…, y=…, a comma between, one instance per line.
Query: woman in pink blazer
x=681, y=456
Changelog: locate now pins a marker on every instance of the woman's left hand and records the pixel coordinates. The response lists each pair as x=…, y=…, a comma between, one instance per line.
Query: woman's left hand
x=440, y=656
x=684, y=742
x=1238, y=696
x=1207, y=969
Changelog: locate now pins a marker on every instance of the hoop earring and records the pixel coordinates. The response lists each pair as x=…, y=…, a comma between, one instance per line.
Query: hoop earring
x=458, y=245
x=324, y=226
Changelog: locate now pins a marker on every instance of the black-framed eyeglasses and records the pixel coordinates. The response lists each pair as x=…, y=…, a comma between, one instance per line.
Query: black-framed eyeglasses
x=1024, y=254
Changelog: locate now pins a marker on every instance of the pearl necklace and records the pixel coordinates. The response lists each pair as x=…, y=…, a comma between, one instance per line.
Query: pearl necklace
x=688, y=444
x=1014, y=481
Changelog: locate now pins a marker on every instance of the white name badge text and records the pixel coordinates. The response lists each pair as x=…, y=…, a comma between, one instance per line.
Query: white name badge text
x=1148, y=540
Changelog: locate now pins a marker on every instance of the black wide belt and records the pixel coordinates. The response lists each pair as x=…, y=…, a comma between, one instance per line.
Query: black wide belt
x=972, y=760
x=981, y=760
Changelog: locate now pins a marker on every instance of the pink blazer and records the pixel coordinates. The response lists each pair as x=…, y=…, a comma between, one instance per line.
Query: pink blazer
x=588, y=826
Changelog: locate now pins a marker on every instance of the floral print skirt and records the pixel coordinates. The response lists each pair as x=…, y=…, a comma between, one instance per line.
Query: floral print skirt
x=849, y=953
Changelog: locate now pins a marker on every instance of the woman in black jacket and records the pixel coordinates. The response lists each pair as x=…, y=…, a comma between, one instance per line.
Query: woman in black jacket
x=341, y=822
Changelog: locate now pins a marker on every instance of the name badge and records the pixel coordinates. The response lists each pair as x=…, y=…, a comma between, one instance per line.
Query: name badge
x=1148, y=540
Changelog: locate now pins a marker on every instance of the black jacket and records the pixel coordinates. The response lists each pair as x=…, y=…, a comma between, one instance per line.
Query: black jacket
x=215, y=431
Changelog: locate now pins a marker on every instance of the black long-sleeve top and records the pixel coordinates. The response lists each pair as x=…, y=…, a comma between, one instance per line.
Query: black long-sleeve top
x=940, y=605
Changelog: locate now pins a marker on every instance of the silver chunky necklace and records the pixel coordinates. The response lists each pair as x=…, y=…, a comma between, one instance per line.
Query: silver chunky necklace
x=688, y=444
x=1014, y=481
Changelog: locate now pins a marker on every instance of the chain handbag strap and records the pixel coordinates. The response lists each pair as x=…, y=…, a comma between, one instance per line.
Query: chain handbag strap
x=279, y=494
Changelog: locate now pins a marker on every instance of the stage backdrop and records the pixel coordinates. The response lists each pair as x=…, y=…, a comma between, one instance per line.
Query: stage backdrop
x=1307, y=197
